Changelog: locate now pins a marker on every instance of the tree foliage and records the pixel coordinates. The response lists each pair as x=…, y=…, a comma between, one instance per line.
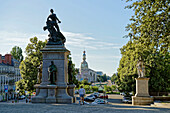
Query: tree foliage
x=103, y=78
x=16, y=52
x=149, y=33
x=28, y=67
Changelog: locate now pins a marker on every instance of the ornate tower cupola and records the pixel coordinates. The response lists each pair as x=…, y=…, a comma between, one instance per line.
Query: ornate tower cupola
x=84, y=64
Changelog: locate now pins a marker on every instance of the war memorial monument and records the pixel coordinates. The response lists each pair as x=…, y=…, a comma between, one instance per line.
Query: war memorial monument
x=54, y=85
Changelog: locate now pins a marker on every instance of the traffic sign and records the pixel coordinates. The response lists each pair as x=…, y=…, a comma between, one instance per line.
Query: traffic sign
x=6, y=88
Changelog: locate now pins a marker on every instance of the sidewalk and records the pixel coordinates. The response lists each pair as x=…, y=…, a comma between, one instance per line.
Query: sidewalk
x=161, y=104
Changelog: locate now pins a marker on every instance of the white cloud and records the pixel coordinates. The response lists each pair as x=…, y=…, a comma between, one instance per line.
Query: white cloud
x=77, y=40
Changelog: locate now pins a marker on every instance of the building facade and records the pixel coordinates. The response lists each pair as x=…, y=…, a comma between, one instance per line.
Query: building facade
x=85, y=73
x=9, y=74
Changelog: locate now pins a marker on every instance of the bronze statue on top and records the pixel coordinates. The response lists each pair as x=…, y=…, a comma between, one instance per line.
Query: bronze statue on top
x=55, y=36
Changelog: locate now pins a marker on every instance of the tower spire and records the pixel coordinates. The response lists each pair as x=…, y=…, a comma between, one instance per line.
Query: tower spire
x=84, y=55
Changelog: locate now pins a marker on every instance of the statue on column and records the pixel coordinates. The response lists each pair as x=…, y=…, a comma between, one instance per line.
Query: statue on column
x=70, y=72
x=39, y=75
x=140, y=68
x=52, y=69
x=55, y=36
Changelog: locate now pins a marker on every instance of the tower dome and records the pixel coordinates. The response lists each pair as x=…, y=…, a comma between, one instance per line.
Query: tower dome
x=84, y=64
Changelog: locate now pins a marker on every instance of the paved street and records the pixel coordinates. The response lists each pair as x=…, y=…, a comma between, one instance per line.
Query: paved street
x=114, y=105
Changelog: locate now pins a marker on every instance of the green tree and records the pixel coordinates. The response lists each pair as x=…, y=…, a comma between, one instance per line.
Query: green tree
x=103, y=78
x=16, y=52
x=113, y=87
x=149, y=34
x=114, y=77
x=107, y=88
x=28, y=67
x=85, y=82
x=95, y=88
x=87, y=88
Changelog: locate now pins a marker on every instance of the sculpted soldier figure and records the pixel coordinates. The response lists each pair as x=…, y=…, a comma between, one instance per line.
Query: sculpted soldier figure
x=52, y=69
x=70, y=74
x=55, y=36
x=54, y=19
x=140, y=68
x=39, y=76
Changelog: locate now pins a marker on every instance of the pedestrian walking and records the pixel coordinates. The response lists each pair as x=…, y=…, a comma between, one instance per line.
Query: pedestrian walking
x=82, y=94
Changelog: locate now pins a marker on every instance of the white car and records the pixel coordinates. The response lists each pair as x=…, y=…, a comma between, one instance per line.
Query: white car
x=90, y=98
x=100, y=101
x=123, y=94
x=22, y=97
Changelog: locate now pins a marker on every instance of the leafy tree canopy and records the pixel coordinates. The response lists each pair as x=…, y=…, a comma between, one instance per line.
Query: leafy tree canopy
x=149, y=33
x=28, y=67
x=16, y=52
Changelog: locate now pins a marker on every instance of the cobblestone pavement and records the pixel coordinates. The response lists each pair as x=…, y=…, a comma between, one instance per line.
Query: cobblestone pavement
x=75, y=108
x=114, y=106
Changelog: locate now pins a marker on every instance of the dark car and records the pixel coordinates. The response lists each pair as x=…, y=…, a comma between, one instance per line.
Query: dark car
x=127, y=99
x=103, y=96
x=96, y=94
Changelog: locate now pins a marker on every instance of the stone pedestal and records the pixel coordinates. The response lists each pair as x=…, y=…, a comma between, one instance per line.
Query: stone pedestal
x=71, y=91
x=142, y=87
x=142, y=100
x=142, y=96
x=53, y=93
x=62, y=95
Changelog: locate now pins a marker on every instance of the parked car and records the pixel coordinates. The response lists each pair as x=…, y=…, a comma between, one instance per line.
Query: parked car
x=96, y=94
x=22, y=97
x=122, y=93
x=104, y=96
x=76, y=92
x=127, y=99
x=90, y=98
x=86, y=103
x=100, y=101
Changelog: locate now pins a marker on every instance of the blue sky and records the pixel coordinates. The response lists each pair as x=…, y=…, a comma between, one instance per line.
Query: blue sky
x=98, y=26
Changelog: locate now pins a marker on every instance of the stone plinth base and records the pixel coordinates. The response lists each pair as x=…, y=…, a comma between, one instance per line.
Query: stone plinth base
x=62, y=95
x=38, y=99
x=142, y=87
x=71, y=92
x=142, y=100
x=142, y=96
x=45, y=94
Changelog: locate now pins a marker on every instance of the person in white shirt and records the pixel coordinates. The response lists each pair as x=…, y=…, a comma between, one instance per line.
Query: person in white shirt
x=82, y=93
